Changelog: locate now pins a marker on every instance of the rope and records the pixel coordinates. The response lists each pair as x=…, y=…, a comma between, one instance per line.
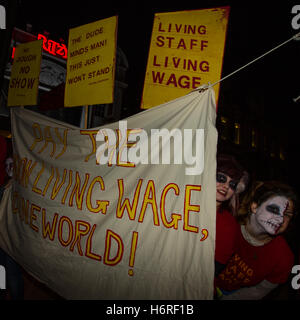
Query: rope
x=295, y=37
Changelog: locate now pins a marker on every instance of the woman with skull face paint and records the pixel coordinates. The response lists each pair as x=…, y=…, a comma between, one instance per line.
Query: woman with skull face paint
x=231, y=181
x=262, y=257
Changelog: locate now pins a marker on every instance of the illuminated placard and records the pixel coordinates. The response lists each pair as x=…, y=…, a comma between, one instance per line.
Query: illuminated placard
x=25, y=73
x=91, y=63
x=186, y=51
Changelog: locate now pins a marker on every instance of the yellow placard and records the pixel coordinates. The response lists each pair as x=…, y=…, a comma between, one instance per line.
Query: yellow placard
x=25, y=73
x=186, y=51
x=91, y=63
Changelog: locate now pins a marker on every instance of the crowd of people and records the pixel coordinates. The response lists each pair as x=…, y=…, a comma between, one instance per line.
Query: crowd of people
x=256, y=224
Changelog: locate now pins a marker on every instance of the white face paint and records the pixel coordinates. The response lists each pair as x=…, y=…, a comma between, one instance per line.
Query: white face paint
x=269, y=215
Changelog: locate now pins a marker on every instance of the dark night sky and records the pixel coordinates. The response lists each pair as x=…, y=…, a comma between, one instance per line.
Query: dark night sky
x=254, y=28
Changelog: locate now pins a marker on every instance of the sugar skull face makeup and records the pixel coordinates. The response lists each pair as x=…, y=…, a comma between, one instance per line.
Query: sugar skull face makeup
x=269, y=215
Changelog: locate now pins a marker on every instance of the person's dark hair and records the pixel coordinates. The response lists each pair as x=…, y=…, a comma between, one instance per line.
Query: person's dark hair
x=273, y=188
x=262, y=191
x=228, y=164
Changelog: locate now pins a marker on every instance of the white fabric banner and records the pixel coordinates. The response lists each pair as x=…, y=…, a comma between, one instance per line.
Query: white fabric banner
x=108, y=227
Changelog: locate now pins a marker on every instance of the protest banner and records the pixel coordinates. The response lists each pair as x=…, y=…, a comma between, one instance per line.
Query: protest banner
x=91, y=63
x=25, y=73
x=113, y=212
x=186, y=51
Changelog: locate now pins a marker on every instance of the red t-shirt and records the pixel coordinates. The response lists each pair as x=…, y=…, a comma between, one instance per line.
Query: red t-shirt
x=252, y=264
x=226, y=232
x=2, y=159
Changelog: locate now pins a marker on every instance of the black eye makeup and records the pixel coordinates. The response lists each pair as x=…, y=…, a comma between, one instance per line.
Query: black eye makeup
x=222, y=178
x=273, y=208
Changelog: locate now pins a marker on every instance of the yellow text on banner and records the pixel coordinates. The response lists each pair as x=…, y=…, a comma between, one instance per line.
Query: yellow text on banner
x=121, y=222
x=91, y=63
x=25, y=73
x=186, y=51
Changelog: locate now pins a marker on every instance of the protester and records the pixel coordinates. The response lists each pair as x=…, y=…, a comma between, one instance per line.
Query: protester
x=262, y=257
x=13, y=272
x=231, y=181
